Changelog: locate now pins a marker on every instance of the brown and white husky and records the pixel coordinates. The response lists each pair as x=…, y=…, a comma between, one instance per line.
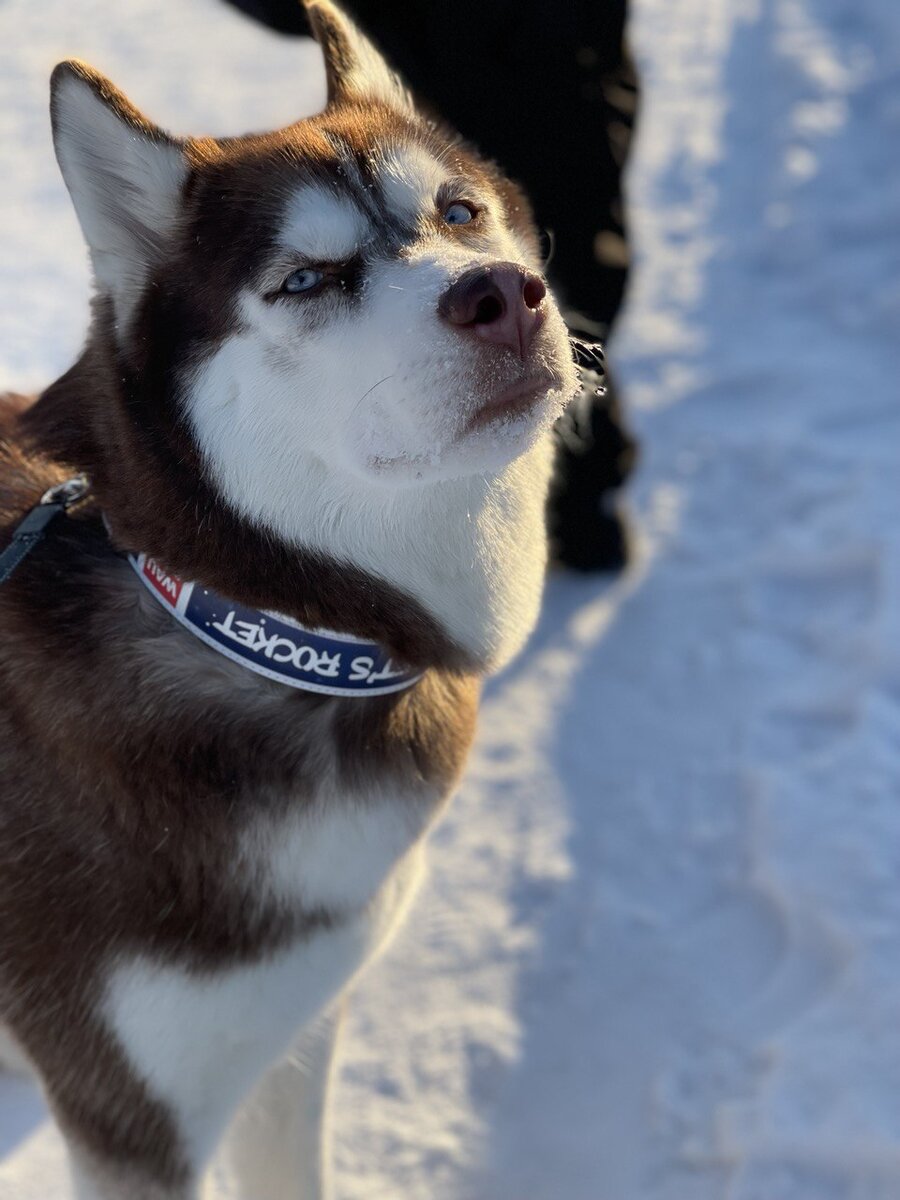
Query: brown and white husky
x=239, y=680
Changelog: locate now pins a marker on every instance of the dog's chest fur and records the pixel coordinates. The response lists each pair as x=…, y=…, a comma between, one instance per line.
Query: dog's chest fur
x=210, y=796
x=218, y=853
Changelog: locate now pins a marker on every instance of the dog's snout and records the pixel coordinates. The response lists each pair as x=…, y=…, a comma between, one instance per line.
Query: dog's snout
x=500, y=303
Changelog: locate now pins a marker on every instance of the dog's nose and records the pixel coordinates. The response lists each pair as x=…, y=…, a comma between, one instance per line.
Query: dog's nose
x=500, y=303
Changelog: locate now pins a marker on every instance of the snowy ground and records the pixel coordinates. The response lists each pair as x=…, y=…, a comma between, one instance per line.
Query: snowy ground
x=660, y=955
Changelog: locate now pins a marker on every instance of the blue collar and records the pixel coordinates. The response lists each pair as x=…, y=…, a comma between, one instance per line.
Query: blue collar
x=275, y=646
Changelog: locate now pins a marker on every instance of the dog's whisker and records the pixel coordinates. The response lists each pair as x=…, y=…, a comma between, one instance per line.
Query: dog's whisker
x=365, y=395
x=588, y=354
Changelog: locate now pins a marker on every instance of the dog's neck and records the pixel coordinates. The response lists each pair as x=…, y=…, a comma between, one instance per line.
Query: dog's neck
x=447, y=574
x=470, y=551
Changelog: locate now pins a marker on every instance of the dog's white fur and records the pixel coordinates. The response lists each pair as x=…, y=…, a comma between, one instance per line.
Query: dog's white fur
x=348, y=434
x=410, y=178
x=480, y=571
x=352, y=440
x=321, y=226
x=201, y=1044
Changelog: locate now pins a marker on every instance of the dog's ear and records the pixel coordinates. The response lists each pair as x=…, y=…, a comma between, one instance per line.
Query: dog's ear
x=355, y=70
x=124, y=176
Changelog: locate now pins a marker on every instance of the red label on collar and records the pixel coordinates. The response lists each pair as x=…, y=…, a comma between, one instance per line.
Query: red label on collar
x=168, y=586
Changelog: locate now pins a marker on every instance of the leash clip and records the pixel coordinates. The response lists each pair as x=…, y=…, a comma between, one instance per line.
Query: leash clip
x=67, y=493
x=33, y=526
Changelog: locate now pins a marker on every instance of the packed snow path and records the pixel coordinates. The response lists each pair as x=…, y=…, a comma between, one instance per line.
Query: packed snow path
x=659, y=958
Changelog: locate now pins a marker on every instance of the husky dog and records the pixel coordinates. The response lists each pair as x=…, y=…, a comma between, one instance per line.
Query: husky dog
x=238, y=681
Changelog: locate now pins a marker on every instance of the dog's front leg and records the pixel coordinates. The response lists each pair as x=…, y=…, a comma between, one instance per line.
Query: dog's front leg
x=93, y=1179
x=277, y=1147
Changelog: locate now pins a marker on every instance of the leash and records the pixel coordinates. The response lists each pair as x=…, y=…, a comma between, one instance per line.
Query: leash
x=33, y=526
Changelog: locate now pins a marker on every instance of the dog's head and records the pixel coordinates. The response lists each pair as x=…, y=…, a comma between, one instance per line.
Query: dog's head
x=361, y=287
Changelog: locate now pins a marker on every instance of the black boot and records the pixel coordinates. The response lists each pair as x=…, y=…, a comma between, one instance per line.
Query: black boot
x=287, y=16
x=595, y=454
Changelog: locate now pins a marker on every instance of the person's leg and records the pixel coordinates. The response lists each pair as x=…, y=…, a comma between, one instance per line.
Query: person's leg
x=587, y=528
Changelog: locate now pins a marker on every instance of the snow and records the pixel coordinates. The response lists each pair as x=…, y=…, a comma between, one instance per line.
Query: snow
x=659, y=956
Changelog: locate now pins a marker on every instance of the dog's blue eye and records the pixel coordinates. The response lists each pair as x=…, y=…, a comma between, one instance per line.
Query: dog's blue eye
x=302, y=281
x=458, y=214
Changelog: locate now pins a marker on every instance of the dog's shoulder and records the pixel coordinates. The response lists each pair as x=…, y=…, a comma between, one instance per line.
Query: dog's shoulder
x=23, y=472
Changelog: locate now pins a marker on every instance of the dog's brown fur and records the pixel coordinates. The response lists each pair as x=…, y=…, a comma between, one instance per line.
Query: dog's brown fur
x=100, y=747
